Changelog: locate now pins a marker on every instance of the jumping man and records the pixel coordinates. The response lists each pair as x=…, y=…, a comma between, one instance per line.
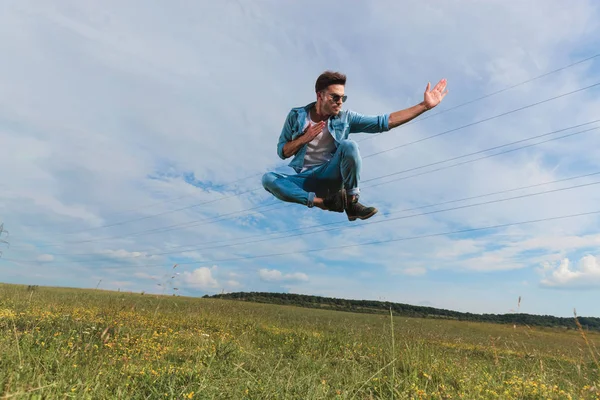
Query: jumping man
x=327, y=163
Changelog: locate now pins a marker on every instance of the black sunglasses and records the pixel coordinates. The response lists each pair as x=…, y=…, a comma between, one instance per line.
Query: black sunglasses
x=337, y=97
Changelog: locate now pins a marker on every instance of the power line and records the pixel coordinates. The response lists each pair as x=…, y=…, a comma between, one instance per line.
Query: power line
x=372, y=136
x=162, y=213
x=481, y=121
x=364, y=157
x=481, y=151
x=385, y=220
x=490, y=94
x=218, y=218
x=476, y=159
x=466, y=155
x=366, y=243
x=370, y=222
x=371, y=155
x=395, y=240
x=182, y=225
x=454, y=165
x=284, y=205
x=345, y=222
x=223, y=185
x=259, y=188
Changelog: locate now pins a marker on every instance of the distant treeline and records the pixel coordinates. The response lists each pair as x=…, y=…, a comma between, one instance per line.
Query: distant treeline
x=372, y=306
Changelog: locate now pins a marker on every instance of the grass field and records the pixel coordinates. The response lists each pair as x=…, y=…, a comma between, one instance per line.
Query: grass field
x=68, y=343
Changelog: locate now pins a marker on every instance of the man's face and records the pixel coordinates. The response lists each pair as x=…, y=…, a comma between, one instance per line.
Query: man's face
x=332, y=99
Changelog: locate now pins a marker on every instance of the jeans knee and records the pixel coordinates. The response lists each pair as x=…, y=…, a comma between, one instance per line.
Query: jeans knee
x=349, y=149
x=268, y=179
x=349, y=146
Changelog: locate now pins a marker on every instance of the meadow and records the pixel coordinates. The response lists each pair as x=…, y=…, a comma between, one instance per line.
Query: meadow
x=71, y=343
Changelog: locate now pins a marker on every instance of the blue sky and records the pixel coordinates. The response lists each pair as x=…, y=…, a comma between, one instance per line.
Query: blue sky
x=123, y=125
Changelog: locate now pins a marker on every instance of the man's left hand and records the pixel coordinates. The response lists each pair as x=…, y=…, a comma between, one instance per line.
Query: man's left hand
x=434, y=96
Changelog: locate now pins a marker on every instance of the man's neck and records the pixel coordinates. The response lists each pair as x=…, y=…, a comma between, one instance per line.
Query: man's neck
x=316, y=116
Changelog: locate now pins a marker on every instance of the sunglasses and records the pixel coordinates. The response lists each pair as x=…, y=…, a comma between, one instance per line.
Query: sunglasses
x=337, y=97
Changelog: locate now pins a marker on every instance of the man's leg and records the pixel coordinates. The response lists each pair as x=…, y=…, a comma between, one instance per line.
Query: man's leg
x=301, y=189
x=350, y=166
x=345, y=168
x=287, y=188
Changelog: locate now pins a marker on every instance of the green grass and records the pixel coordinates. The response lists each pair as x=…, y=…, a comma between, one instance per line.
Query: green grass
x=63, y=343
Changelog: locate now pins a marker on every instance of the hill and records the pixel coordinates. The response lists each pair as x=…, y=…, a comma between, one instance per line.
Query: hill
x=373, y=306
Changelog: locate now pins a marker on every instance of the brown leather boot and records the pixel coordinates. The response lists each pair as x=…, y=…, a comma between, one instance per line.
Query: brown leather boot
x=356, y=210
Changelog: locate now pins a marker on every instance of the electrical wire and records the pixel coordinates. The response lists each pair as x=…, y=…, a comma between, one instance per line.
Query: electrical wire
x=435, y=114
x=312, y=232
x=368, y=137
x=285, y=205
x=407, y=238
x=364, y=157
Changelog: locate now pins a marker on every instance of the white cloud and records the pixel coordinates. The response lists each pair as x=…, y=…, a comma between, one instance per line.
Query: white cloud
x=584, y=274
x=201, y=278
x=213, y=279
x=274, y=275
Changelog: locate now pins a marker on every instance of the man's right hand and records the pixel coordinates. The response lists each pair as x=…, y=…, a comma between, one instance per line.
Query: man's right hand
x=307, y=136
x=312, y=131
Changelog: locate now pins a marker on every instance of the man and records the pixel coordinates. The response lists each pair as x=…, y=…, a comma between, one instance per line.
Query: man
x=327, y=163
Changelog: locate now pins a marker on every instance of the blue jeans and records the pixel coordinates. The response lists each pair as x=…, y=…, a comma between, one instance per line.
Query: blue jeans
x=343, y=170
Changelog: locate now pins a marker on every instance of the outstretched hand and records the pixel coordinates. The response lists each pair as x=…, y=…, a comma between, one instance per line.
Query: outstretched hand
x=434, y=96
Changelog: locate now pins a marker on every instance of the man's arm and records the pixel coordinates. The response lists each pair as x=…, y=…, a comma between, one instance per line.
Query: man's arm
x=288, y=147
x=430, y=99
x=385, y=122
x=291, y=148
x=403, y=116
x=285, y=137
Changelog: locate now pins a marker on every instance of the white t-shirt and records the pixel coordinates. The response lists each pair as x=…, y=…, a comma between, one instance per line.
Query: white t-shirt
x=320, y=149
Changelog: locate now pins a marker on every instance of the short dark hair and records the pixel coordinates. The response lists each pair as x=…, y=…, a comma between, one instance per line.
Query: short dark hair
x=329, y=78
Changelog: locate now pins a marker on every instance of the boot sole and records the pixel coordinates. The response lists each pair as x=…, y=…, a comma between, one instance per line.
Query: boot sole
x=354, y=218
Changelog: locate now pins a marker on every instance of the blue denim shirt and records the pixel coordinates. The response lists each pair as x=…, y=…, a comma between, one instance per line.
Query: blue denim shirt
x=340, y=127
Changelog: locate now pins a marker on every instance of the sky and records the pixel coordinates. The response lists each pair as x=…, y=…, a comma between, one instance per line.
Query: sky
x=133, y=137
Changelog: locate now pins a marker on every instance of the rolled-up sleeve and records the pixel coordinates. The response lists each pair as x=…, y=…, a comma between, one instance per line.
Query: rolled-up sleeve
x=285, y=136
x=368, y=123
